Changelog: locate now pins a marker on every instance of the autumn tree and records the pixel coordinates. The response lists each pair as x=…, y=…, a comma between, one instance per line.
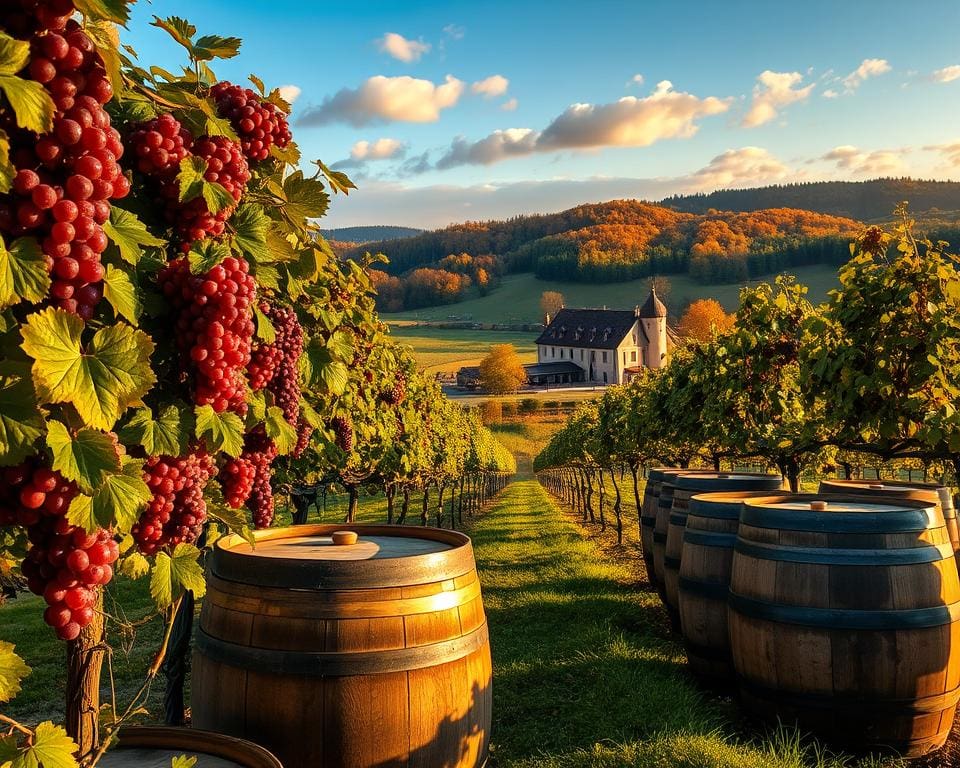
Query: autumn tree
x=501, y=371
x=551, y=302
x=703, y=318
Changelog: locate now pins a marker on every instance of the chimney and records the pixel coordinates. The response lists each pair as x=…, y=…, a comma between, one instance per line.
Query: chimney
x=546, y=319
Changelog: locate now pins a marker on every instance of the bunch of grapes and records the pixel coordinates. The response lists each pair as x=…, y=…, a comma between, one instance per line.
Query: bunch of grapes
x=304, y=433
x=236, y=478
x=343, y=433
x=259, y=123
x=260, y=451
x=214, y=328
x=398, y=391
x=159, y=145
x=64, y=179
x=285, y=384
x=64, y=563
x=177, y=511
x=264, y=361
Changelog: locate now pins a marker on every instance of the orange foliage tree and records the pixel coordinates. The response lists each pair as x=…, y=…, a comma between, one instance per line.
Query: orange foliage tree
x=703, y=318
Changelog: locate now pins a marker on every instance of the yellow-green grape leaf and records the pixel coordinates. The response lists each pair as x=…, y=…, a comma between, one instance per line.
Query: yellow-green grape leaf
x=106, y=38
x=7, y=169
x=101, y=381
x=51, y=748
x=14, y=54
x=193, y=184
x=12, y=671
x=257, y=82
x=167, y=434
x=215, y=47
x=134, y=566
x=173, y=574
x=122, y=293
x=339, y=181
x=23, y=272
x=205, y=255
x=117, y=11
x=280, y=431
x=257, y=408
x=306, y=198
x=265, y=330
x=182, y=761
x=31, y=103
x=250, y=225
x=88, y=457
x=116, y=503
x=221, y=431
x=21, y=423
x=128, y=235
x=179, y=29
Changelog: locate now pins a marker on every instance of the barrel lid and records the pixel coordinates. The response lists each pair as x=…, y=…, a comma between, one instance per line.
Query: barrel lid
x=656, y=474
x=728, y=481
x=900, y=488
x=846, y=513
x=305, y=556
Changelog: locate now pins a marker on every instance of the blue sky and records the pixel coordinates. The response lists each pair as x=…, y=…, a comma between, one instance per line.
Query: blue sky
x=450, y=111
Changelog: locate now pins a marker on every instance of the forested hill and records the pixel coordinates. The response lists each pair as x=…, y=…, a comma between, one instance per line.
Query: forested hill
x=369, y=234
x=862, y=200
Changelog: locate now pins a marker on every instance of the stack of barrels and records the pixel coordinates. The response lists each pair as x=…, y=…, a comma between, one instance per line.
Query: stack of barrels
x=838, y=611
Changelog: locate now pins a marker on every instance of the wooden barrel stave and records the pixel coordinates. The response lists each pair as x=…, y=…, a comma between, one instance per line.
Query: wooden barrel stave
x=648, y=517
x=380, y=675
x=154, y=747
x=849, y=632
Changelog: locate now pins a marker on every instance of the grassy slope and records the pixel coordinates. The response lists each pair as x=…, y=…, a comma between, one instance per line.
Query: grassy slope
x=443, y=349
x=517, y=300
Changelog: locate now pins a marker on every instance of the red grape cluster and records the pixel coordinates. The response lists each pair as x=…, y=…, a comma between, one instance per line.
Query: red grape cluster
x=64, y=179
x=64, y=563
x=214, y=328
x=236, y=478
x=260, y=450
x=343, y=433
x=264, y=361
x=159, y=145
x=285, y=384
x=177, y=511
x=398, y=391
x=304, y=433
x=259, y=123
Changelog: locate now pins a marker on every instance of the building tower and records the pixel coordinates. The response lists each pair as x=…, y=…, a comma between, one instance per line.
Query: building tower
x=653, y=317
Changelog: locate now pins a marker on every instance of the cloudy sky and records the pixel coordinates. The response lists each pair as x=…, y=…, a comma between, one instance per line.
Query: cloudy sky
x=450, y=111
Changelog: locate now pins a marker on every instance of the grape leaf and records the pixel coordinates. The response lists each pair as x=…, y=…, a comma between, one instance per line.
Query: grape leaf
x=20, y=421
x=167, y=435
x=101, y=381
x=182, y=761
x=205, y=255
x=193, y=184
x=339, y=181
x=7, y=169
x=215, y=47
x=106, y=38
x=117, y=502
x=179, y=29
x=31, y=103
x=51, y=747
x=259, y=83
x=221, y=431
x=128, y=234
x=257, y=412
x=134, y=566
x=267, y=275
x=172, y=574
x=250, y=225
x=265, y=330
x=122, y=293
x=23, y=272
x=306, y=198
x=235, y=520
x=116, y=11
x=322, y=370
x=280, y=430
x=88, y=457
x=12, y=671
x=14, y=54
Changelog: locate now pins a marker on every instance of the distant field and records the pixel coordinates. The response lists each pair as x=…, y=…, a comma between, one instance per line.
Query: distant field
x=441, y=349
x=517, y=300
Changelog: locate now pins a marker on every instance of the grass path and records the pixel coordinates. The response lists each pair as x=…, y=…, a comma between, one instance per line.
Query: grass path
x=585, y=672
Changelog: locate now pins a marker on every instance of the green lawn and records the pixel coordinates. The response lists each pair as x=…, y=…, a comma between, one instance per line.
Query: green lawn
x=443, y=349
x=517, y=299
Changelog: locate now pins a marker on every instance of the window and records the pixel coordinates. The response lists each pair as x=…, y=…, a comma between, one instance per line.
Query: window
x=571, y=353
x=624, y=355
x=604, y=377
x=581, y=355
x=553, y=351
x=561, y=353
x=633, y=356
x=604, y=356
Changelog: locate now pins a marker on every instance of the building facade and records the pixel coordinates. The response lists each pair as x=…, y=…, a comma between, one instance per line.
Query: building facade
x=608, y=345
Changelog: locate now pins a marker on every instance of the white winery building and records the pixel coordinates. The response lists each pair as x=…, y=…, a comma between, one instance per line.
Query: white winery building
x=607, y=345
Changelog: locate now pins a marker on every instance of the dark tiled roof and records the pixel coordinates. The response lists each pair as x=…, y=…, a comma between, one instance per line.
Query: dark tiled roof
x=590, y=328
x=546, y=369
x=653, y=307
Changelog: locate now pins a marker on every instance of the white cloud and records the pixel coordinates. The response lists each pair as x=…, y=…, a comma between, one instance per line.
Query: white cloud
x=498, y=146
x=289, y=92
x=830, y=94
x=401, y=48
x=631, y=121
x=868, y=68
x=386, y=99
x=747, y=166
x=637, y=79
x=946, y=75
x=773, y=91
x=950, y=152
x=509, y=105
x=861, y=162
x=381, y=149
x=495, y=85
x=454, y=31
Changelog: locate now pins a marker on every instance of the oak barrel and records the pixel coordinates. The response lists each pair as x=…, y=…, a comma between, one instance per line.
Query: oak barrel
x=370, y=654
x=156, y=746
x=704, y=582
x=844, y=616
x=905, y=490
x=648, y=516
x=685, y=486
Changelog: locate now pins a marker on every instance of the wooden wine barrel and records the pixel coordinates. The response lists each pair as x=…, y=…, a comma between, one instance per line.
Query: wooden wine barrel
x=155, y=747
x=939, y=494
x=648, y=516
x=361, y=655
x=844, y=616
x=685, y=486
